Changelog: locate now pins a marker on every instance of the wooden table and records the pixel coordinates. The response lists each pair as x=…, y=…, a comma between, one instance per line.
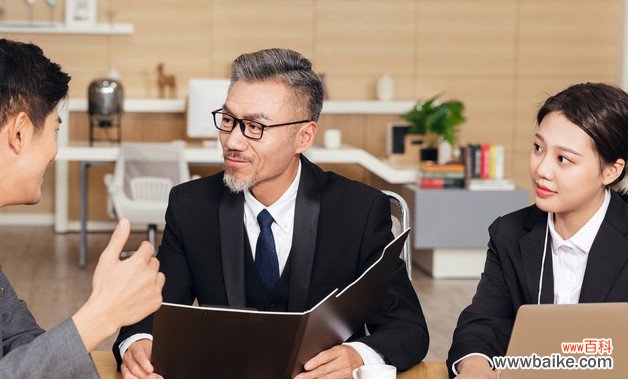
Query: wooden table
x=106, y=365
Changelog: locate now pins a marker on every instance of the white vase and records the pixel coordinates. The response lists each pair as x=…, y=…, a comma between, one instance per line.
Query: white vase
x=385, y=88
x=445, y=151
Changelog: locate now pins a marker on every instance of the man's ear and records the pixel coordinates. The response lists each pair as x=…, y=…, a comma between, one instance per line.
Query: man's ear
x=613, y=171
x=306, y=136
x=16, y=132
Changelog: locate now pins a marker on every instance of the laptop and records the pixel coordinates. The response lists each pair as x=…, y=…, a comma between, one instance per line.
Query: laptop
x=547, y=336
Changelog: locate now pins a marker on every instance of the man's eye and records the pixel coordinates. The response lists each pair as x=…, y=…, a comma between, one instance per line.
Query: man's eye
x=255, y=127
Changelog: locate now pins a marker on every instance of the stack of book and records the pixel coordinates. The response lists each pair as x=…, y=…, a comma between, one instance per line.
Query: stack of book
x=447, y=176
x=484, y=167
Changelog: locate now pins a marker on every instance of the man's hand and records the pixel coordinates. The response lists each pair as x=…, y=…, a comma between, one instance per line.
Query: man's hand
x=123, y=292
x=476, y=367
x=337, y=362
x=136, y=361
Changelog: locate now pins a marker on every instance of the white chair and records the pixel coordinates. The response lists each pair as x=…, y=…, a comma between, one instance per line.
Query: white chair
x=141, y=182
x=400, y=223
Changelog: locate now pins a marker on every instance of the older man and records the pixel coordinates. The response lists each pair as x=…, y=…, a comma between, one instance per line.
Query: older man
x=274, y=231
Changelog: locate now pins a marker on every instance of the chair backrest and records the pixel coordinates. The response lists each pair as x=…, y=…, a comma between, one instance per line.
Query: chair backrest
x=150, y=167
x=142, y=179
x=400, y=216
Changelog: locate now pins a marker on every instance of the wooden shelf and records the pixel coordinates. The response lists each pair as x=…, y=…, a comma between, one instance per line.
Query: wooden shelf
x=61, y=28
x=372, y=107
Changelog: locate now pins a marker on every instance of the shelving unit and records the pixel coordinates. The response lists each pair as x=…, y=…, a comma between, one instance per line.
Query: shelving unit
x=39, y=27
x=329, y=106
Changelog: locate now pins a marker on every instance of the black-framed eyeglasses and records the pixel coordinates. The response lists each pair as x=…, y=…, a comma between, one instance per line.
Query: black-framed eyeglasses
x=250, y=128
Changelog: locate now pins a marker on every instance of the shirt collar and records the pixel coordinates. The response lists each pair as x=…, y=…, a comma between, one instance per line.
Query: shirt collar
x=583, y=239
x=280, y=210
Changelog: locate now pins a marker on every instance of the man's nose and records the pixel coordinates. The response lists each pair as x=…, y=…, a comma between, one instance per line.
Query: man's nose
x=236, y=140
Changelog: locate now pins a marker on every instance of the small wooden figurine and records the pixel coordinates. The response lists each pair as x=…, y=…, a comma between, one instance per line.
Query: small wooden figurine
x=166, y=80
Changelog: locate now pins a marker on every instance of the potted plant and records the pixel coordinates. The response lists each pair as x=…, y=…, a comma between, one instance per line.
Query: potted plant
x=436, y=121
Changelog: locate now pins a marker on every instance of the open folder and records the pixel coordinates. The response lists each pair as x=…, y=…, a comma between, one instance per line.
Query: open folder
x=208, y=342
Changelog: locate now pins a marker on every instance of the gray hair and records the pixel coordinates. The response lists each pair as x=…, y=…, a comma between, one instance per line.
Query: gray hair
x=287, y=66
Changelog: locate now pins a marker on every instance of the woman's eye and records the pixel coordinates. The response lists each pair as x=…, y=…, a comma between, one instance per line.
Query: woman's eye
x=563, y=159
x=537, y=147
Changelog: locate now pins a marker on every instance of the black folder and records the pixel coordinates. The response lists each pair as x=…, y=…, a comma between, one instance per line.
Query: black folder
x=212, y=342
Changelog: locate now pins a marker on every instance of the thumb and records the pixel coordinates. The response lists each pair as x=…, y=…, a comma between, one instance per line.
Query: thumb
x=118, y=238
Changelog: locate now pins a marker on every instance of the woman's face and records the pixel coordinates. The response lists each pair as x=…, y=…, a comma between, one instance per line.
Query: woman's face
x=565, y=169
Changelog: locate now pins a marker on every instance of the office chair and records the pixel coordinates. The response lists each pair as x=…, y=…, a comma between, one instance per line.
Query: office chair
x=141, y=182
x=400, y=224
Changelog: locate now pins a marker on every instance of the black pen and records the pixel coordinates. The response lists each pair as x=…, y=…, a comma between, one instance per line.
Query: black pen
x=126, y=254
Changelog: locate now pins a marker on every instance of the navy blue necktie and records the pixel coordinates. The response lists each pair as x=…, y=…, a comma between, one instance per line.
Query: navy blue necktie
x=266, y=261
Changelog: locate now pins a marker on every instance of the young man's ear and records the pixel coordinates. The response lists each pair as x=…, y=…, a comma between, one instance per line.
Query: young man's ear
x=306, y=136
x=613, y=171
x=16, y=131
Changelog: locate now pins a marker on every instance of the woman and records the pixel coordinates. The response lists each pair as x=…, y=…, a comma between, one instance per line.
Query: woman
x=572, y=245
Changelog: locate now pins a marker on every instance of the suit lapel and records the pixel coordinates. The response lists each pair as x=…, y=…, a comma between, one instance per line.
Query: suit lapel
x=531, y=246
x=304, y=237
x=231, y=221
x=608, y=255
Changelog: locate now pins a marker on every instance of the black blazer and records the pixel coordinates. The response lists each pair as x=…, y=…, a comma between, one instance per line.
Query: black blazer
x=341, y=227
x=512, y=271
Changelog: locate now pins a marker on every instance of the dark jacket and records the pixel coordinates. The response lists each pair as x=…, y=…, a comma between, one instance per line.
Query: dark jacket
x=341, y=227
x=512, y=270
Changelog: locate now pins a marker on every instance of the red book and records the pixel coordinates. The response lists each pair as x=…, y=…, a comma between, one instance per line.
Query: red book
x=432, y=183
x=485, y=160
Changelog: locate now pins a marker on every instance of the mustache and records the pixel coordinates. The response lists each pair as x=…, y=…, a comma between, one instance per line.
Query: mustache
x=236, y=156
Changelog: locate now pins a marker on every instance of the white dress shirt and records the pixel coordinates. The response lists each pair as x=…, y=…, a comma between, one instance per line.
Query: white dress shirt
x=569, y=257
x=569, y=261
x=282, y=212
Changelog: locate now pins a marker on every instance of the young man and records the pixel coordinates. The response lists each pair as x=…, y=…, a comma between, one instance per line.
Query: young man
x=31, y=87
x=319, y=231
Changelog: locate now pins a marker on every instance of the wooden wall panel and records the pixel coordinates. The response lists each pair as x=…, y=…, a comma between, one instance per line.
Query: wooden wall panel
x=500, y=57
x=240, y=26
x=461, y=37
x=567, y=38
x=356, y=37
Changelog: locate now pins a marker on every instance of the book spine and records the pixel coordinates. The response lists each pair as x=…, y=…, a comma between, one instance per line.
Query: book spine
x=441, y=183
x=432, y=183
x=443, y=175
x=477, y=166
x=500, y=158
x=467, y=154
x=491, y=161
x=484, y=161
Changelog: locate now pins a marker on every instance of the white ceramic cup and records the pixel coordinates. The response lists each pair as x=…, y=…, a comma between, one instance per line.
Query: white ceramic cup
x=332, y=138
x=375, y=371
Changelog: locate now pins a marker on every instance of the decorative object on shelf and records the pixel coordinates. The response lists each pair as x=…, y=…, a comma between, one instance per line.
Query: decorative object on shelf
x=166, y=81
x=111, y=13
x=385, y=88
x=52, y=4
x=105, y=98
x=437, y=122
x=332, y=138
x=81, y=12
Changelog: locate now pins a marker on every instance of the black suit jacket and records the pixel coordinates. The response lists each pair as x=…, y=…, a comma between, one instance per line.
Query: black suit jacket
x=341, y=227
x=512, y=271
